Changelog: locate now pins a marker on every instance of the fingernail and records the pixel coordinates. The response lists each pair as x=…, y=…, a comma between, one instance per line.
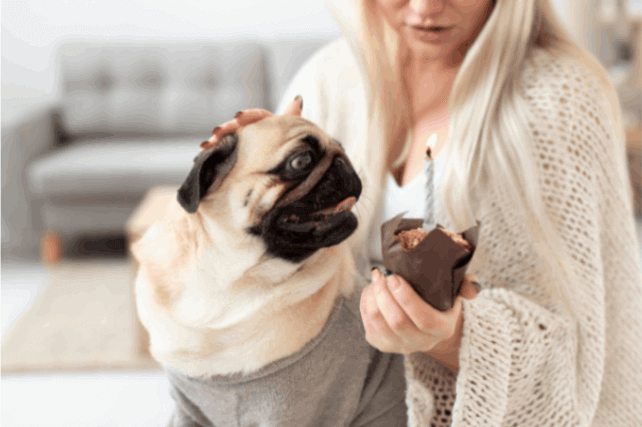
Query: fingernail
x=477, y=285
x=215, y=129
x=375, y=274
x=393, y=283
x=300, y=99
x=238, y=113
x=387, y=272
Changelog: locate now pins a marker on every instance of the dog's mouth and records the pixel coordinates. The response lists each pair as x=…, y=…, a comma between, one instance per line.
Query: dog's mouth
x=319, y=221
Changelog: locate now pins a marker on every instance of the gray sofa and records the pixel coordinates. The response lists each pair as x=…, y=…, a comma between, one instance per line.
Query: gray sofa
x=130, y=116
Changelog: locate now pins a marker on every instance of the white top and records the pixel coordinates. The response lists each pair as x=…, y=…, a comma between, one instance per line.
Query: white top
x=521, y=362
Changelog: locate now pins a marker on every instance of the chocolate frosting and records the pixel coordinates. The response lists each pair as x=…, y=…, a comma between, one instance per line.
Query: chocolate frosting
x=436, y=267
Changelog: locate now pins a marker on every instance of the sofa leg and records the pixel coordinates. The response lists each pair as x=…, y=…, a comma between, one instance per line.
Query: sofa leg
x=50, y=247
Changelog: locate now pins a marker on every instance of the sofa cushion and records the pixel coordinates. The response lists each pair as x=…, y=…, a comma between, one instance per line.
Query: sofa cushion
x=112, y=165
x=158, y=88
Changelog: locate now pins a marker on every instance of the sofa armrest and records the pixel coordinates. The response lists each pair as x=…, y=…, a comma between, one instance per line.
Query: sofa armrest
x=23, y=141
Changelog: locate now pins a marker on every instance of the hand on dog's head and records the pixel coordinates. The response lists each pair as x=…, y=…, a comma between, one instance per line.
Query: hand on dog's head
x=294, y=185
x=211, y=163
x=246, y=117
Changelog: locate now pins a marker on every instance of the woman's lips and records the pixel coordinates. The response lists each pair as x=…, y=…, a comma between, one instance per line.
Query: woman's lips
x=431, y=34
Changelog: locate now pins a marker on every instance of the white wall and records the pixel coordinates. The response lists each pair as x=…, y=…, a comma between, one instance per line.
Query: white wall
x=32, y=29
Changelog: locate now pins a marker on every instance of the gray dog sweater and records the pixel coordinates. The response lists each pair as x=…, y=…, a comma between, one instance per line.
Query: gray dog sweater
x=337, y=379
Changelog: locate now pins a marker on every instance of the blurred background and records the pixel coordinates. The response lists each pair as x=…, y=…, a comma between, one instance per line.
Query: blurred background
x=104, y=105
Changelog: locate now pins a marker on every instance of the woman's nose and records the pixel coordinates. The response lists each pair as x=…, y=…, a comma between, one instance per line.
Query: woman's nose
x=426, y=8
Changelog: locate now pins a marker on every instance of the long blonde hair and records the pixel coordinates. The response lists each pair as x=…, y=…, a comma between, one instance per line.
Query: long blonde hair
x=490, y=72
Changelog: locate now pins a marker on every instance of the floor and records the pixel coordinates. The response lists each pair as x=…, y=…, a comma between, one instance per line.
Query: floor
x=97, y=399
x=118, y=399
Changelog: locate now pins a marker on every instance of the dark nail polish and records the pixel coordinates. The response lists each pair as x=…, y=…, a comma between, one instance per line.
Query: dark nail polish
x=373, y=269
x=215, y=129
x=477, y=285
x=300, y=100
x=238, y=113
x=387, y=272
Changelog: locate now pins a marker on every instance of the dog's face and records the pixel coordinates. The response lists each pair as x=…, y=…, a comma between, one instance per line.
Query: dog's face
x=281, y=179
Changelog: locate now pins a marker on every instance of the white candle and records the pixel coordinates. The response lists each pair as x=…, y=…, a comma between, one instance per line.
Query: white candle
x=429, y=208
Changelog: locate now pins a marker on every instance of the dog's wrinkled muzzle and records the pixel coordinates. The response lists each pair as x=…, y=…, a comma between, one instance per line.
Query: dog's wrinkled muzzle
x=316, y=213
x=333, y=153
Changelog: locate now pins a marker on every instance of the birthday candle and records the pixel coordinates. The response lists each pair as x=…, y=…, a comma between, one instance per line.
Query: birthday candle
x=429, y=214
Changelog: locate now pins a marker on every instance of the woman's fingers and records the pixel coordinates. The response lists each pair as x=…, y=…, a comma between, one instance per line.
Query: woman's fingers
x=247, y=117
x=468, y=289
x=295, y=107
x=242, y=118
x=390, y=328
x=377, y=330
x=220, y=131
x=397, y=320
x=391, y=311
x=425, y=317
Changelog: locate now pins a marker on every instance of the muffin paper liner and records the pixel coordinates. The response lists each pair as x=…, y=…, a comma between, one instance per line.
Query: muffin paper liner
x=436, y=267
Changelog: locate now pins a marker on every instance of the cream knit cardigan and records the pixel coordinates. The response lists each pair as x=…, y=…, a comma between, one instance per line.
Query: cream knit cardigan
x=521, y=364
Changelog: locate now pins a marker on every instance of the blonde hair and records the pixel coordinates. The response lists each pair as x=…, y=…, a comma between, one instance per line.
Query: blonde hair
x=490, y=72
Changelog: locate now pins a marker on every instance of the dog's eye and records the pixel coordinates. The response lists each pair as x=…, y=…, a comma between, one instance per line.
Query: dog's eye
x=301, y=161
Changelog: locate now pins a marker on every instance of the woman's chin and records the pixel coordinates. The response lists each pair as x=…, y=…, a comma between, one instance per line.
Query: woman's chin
x=429, y=51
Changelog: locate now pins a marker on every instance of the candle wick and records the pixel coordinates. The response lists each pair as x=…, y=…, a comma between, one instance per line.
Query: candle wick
x=430, y=145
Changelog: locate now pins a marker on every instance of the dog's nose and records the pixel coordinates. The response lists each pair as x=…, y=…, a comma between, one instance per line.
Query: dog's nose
x=342, y=165
x=350, y=179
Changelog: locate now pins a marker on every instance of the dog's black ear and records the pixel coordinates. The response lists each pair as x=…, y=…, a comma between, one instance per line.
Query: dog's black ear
x=208, y=165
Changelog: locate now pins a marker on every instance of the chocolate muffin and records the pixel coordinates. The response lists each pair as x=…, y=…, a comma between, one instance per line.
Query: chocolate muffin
x=433, y=262
x=409, y=239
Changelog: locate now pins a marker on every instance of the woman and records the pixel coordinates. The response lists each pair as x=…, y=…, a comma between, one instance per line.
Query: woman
x=530, y=143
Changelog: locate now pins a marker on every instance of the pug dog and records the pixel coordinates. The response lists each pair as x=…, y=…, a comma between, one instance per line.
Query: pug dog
x=247, y=287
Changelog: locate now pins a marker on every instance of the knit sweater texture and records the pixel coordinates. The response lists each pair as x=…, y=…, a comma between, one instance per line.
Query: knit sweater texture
x=522, y=363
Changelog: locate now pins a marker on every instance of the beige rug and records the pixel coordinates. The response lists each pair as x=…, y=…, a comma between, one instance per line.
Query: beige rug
x=84, y=319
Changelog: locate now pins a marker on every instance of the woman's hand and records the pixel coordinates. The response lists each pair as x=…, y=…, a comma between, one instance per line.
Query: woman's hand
x=246, y=117
x=397, y=320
